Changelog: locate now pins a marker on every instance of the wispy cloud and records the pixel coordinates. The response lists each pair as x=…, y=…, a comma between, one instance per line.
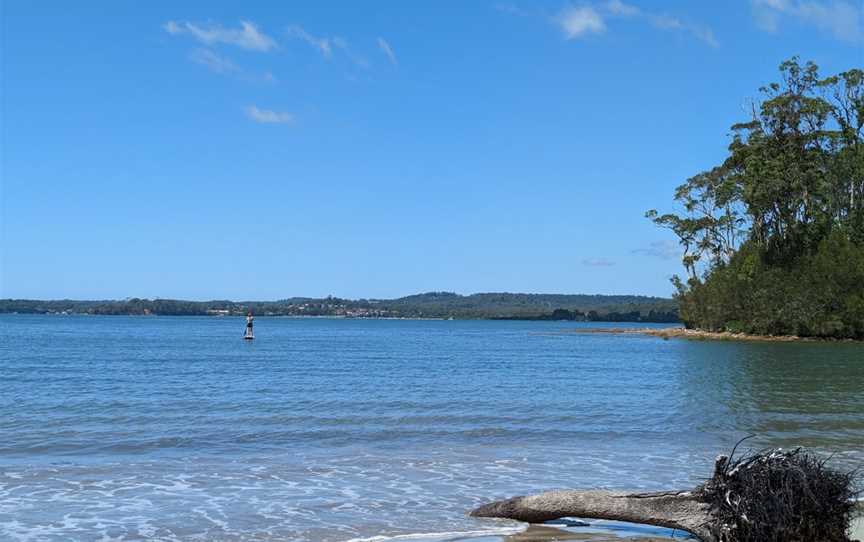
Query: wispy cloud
x=665, y=250
x=661, y=21
x=598, y=262
x=594, y=18
x=576, y=22
x=617, y=7
x=327, y=45
x=223, y=65
x=323, y=45
x=841, y=19
x=357, y=59
x=213, y=61
x=387, y=50
x=248, y=36
x=267, y=116
x=705, y=34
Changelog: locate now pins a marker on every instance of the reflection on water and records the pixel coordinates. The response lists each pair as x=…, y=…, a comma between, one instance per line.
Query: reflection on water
x=330, y=430
x=808, y=394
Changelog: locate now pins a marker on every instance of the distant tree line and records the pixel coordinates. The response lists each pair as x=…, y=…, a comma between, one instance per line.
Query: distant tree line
x=656, y=316
x=773, y=237
x=429, y=305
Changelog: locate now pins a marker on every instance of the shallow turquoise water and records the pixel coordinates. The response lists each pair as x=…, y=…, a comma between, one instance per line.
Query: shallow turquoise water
x=329, y=430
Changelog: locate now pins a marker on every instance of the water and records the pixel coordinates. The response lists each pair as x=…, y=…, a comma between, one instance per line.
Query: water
x=329, y=430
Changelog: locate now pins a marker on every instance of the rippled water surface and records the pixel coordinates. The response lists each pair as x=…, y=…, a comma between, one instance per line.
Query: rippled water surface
x=329, y=430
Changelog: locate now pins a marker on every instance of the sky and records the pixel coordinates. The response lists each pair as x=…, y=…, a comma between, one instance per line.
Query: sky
x=263, y=150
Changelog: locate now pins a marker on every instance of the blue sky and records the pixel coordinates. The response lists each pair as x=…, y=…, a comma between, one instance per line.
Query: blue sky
x=261, y=150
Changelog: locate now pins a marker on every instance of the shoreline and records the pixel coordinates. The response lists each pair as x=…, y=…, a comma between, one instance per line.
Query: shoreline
x=677, y=332
x=340, y=317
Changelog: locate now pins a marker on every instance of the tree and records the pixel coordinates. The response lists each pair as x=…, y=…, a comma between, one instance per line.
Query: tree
x=753, y=227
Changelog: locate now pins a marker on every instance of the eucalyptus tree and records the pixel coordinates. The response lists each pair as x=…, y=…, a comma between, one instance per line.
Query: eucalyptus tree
x=792, y=179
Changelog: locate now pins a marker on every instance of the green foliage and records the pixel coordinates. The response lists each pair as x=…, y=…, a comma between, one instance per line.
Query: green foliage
x=820, y=294
x=615, y=308
x=656, y=316
x=774, y=237
x=524, y=306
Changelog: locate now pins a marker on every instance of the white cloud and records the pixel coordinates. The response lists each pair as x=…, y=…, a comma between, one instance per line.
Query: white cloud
x=225, y=66
x=322, y=44
x=705, y=34
x=213, y=61
x=668, y=22
x=246, y=37
x=267, y=116
x=598, y=262
x=327, y=45
x=619, y=8
x=579, y=21
x=776, y=4
x=172, y=27
x=342, y=44
x=839, y=18
x=385, y=47
x=661, y=21
x=665, y=250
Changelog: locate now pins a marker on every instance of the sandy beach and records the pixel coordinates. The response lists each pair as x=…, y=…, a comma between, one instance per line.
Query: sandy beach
x=858, y=527
x=598, y=531
x=610, y=531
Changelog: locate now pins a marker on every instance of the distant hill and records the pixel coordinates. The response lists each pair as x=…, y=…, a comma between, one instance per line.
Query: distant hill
x=510, y=305
x=427, y=305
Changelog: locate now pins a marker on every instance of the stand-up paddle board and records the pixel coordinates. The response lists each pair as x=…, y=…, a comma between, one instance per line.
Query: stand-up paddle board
x=249, y=335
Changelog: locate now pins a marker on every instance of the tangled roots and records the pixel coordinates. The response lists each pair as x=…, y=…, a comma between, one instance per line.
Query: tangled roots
x=779, y=496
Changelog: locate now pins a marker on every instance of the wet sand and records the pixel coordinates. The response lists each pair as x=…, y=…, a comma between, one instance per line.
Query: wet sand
x=596, y=531
x=548, y=533
x=619, y=532
x=614, y=531
x=858, y=528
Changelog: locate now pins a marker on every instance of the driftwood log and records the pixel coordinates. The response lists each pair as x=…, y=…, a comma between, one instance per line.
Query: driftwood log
x=674, y=510
x=769, y=496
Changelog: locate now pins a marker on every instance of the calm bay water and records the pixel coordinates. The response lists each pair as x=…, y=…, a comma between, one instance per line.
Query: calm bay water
x=330, y=430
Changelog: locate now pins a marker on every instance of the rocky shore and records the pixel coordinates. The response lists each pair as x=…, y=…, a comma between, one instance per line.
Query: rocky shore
x=698, y=334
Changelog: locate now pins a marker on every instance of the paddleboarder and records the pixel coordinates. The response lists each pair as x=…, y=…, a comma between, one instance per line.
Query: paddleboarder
x=249, y=319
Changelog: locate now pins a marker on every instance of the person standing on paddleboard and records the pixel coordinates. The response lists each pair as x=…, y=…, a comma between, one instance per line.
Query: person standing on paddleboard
x=249, y=319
